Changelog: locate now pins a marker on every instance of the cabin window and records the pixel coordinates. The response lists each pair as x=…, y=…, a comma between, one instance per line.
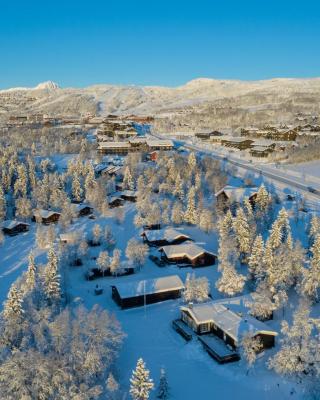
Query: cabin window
x=204, y=328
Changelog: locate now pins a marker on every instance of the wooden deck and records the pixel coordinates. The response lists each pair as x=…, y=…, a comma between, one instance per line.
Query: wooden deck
x=217, y=349
x=183, y=329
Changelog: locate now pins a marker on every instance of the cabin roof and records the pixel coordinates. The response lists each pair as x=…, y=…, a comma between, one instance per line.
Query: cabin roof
x=11, y=224
x=229, y=321
x=149, y=286
x=189, y=249
x=114, y=145
x=44, y=213
x=237, y=194
x=168, y=234
x=129, y=193
x=159, y=142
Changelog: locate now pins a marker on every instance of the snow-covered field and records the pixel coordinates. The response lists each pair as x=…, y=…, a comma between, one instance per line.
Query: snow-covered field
x=191, y=372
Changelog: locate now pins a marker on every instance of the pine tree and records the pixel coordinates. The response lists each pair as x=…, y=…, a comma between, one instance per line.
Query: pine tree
x=128, y=182
x=115, y=262
x=103, y=261
x=140, y=383
x=177, y=213
x=112, y=386
x=96, y=231
x=52, y=277
x=163, y=388
x=255, y=262
x=31, y=274
x=13, y=307
x=191, y=215
x=311, y=280
x=242, y=231
x=226, y=226
x=3, y=205
x=178, y=189
x=314, y=228
x=230, y=282
x=205, y=220
x=77, y=190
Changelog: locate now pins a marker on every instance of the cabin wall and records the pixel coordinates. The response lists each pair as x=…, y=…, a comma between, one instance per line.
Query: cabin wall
x=139, y=301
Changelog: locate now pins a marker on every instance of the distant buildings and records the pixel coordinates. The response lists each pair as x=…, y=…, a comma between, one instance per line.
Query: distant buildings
x=126, y=147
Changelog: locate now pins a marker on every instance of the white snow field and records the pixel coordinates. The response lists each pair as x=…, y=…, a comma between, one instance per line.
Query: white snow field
x=192, y=373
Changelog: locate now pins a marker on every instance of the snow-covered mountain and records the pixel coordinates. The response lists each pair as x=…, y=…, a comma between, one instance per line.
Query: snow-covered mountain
x=266, y=97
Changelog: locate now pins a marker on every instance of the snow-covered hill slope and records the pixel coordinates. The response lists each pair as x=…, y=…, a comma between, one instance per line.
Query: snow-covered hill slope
x=198, y=93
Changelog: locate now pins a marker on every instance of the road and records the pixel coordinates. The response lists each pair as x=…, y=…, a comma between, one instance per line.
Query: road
x=263, y=170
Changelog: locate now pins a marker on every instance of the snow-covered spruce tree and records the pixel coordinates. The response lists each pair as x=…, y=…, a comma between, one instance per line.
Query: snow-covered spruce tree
x=248, y=210
x=242, y=233
x=13, y=306
x=163, y=391
x=136, y=252
x=226, y=226
x=96, y=233
x=249, y=348
x=283, y=221
x=191, y=213
x=230, y=282
x=128, y=182
x=21, y=184
x=314, y=227
x=311, y=277
x=177, y=213
x=103, y=261
x=255, y=262
x=3, y=205
x=140, y=382
x=23, y=208
x=112, y=387
x=262, y=305
x=206, y=220
x=178, y=189
x=192, y=161
x=31, y=274
x=275, y=238
x=52, y=278
x=115, y=263
x=109, y=238
x=295, y=357
x=77, y=191
x=196, y=289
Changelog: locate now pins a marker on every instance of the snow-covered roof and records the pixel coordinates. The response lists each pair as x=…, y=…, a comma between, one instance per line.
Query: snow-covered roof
x=260, y=148
x=114, y=145
x=100, y=167
x=168, y=234
x=231, y=322
x=159, y=143
x=237, y=194
x=128, y=193
x=238, y=139
x=188, y=249
x=44, y=213
x=149, y=286
x=11, y=224
x=82, y=206
x=263, y=142
x=69, y=237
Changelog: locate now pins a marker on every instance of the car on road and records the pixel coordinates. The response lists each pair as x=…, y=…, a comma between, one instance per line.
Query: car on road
x=312, y=189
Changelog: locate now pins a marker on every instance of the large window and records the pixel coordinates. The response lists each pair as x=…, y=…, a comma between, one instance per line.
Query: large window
x=204, y=328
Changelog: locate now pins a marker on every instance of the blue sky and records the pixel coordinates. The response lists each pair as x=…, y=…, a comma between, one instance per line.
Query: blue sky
x=78, y=43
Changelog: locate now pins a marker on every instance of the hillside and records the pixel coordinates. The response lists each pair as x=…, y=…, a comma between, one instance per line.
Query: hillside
x=225, y=103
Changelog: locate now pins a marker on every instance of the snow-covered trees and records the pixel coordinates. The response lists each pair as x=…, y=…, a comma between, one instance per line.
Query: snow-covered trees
x=13, y=306
x=314, y=228
x=136, y=252
x=103, y=261
x=298, y=354
x=96, y=233
x=128, y=182
x=140, y=382
x=261, y=306
x=191, y=213
x=255, y=262
x=109, y=239
x=206, y=220
x=163, y=392
x=197, y=290
x=77, y=190
x=71, y=364
x=249, y=348
x=311, y=277
x=242, y=233
x=177, y=213
x=3, y=205
x=115, y=263
x=112, y=387
x=31, y=274
x=52, y=277
x=230, y=282
x=23, y=208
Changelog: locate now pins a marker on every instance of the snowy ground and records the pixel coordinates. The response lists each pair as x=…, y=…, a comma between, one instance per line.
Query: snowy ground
x=308, y=168
x=191, y=372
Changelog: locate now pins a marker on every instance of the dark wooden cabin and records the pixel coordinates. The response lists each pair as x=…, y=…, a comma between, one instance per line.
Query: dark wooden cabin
x=188, y=254
x=163, y=237
x=13, y=228
x=139, y=293
x=46, y=216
